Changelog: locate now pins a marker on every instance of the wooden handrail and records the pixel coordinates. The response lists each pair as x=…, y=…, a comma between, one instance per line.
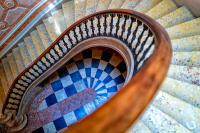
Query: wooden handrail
x=117, y=114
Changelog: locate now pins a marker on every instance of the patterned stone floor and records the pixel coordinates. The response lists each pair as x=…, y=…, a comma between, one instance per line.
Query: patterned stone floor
x=77, y=89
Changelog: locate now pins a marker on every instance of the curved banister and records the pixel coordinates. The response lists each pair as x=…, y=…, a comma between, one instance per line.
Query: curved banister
x=124, y=108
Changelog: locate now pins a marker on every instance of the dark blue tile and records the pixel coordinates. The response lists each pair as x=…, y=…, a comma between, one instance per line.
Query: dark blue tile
x=70, y=90
x=97, y=83
x=95, y=63
x=80, y=64
x=57, y=85
x=107, y=79
x=91, y=82
x=109, y=68
x=112, y=89
x=88, y=72
x=103, y=94
x=87, y=53
x=106, y=56
x=51, y=99
x=100, y=89
x=60, y=123
x=120, y=79
x=121, y=67
x=86, y=82
x=39, y=130
x=80, y=113
x=98, y=73
x=62, y=72
x=70, y=61
x=76, y=76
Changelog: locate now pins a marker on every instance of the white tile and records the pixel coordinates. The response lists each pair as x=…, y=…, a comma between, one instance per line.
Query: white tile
x=42, y=106
x=60, y=95
x=99, y=86
x=71, y=68
x=80, y=85
x=94, y=83
x=102, y=64
x=88, y=81
x=70, y=118
x=103, y=76
x=66, y=81
x=87, y=63
x=93, y=72
x=115, y=73
x=89, y=108
x=110, y=84
x=82, y=72
x=49, y=128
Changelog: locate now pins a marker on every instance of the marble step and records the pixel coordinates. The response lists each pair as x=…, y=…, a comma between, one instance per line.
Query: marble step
x=18, y=59
x=24, y=53
x=186, y=58
x=161, y=9
x=44, y=36
x=187, y=44
x=59, y=20
x=185, y=73
x=139, y=127
x=145, y=5
x=115, y=4
x=79, y=7
x=159, y=122
x=3, y=79
x=129, y=4
x=13, y=65
x=189, y=28
x=186, y=114
x=31, y=48
x=69, y=12
x=51, y=28
x=8, y=72
x=37, y=42
x=91, y=6
x=178, y=16
x=103, y=5
x=182, y=90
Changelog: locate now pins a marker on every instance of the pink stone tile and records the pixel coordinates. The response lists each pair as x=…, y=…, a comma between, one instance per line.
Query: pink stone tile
x=33, y=122
x=49, y=114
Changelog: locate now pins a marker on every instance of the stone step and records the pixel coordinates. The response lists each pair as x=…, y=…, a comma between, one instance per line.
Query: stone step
x=8, y=72
x=79, y=7
x=186, y=58
x=145, y=5
x=31, y=48
x=189, y=28
x=13, y=65
x=18, y=59
x=59, y=20
x=187, y=44
x=139, y=127
x=91, y=6
x=159, y=122
x=44, y=36
x=178, y=16
x=182, y=90
x=129, y=4
x=69, y=12
x=103, y=5
x=161, y=9
x=3, y=79
x=51, y=28
x=115, y=4
x=24, y=53
x=185, y=73
x=184, y=113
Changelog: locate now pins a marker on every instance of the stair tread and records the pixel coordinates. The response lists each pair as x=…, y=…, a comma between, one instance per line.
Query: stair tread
x=186, y=44
x=37, y=42
x=13, y=65
x=103, y=5
x=129, y=4
x=158, y=121
x=8, y=73
x=186, y=58
x=114, y=4
x=3, y=79
x=79, y=9
x=91, y=6
x=139, y=127
x=188, y=115
x=185, y=29
x=145, y=5
x=187, y=92
x=185, y=73
x=59, y=20
x=18, y=59
x=69, y=12
x=31, y=48
x=161, y=9
x=24, y=53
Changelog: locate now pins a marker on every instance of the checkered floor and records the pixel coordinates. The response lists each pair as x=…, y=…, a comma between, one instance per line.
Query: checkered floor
x=98, y=68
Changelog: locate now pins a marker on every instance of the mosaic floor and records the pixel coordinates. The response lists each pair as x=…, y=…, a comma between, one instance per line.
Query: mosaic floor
x=77, y=89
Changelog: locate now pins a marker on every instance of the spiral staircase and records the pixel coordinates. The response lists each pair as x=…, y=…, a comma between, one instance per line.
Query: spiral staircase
x=120, y=45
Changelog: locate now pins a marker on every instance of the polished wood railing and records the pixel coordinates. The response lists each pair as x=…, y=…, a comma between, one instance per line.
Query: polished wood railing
x=150, y=47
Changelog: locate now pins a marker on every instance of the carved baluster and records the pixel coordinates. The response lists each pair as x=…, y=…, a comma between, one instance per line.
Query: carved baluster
x=86, y=29
x=129, y=30
x=111, y=24
x=75, y=35
x=80, y=32
x=135, y=31
x=123, y=27
x=98, y=25
x=117, y=24
x=92, y=26
x=105, y=24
